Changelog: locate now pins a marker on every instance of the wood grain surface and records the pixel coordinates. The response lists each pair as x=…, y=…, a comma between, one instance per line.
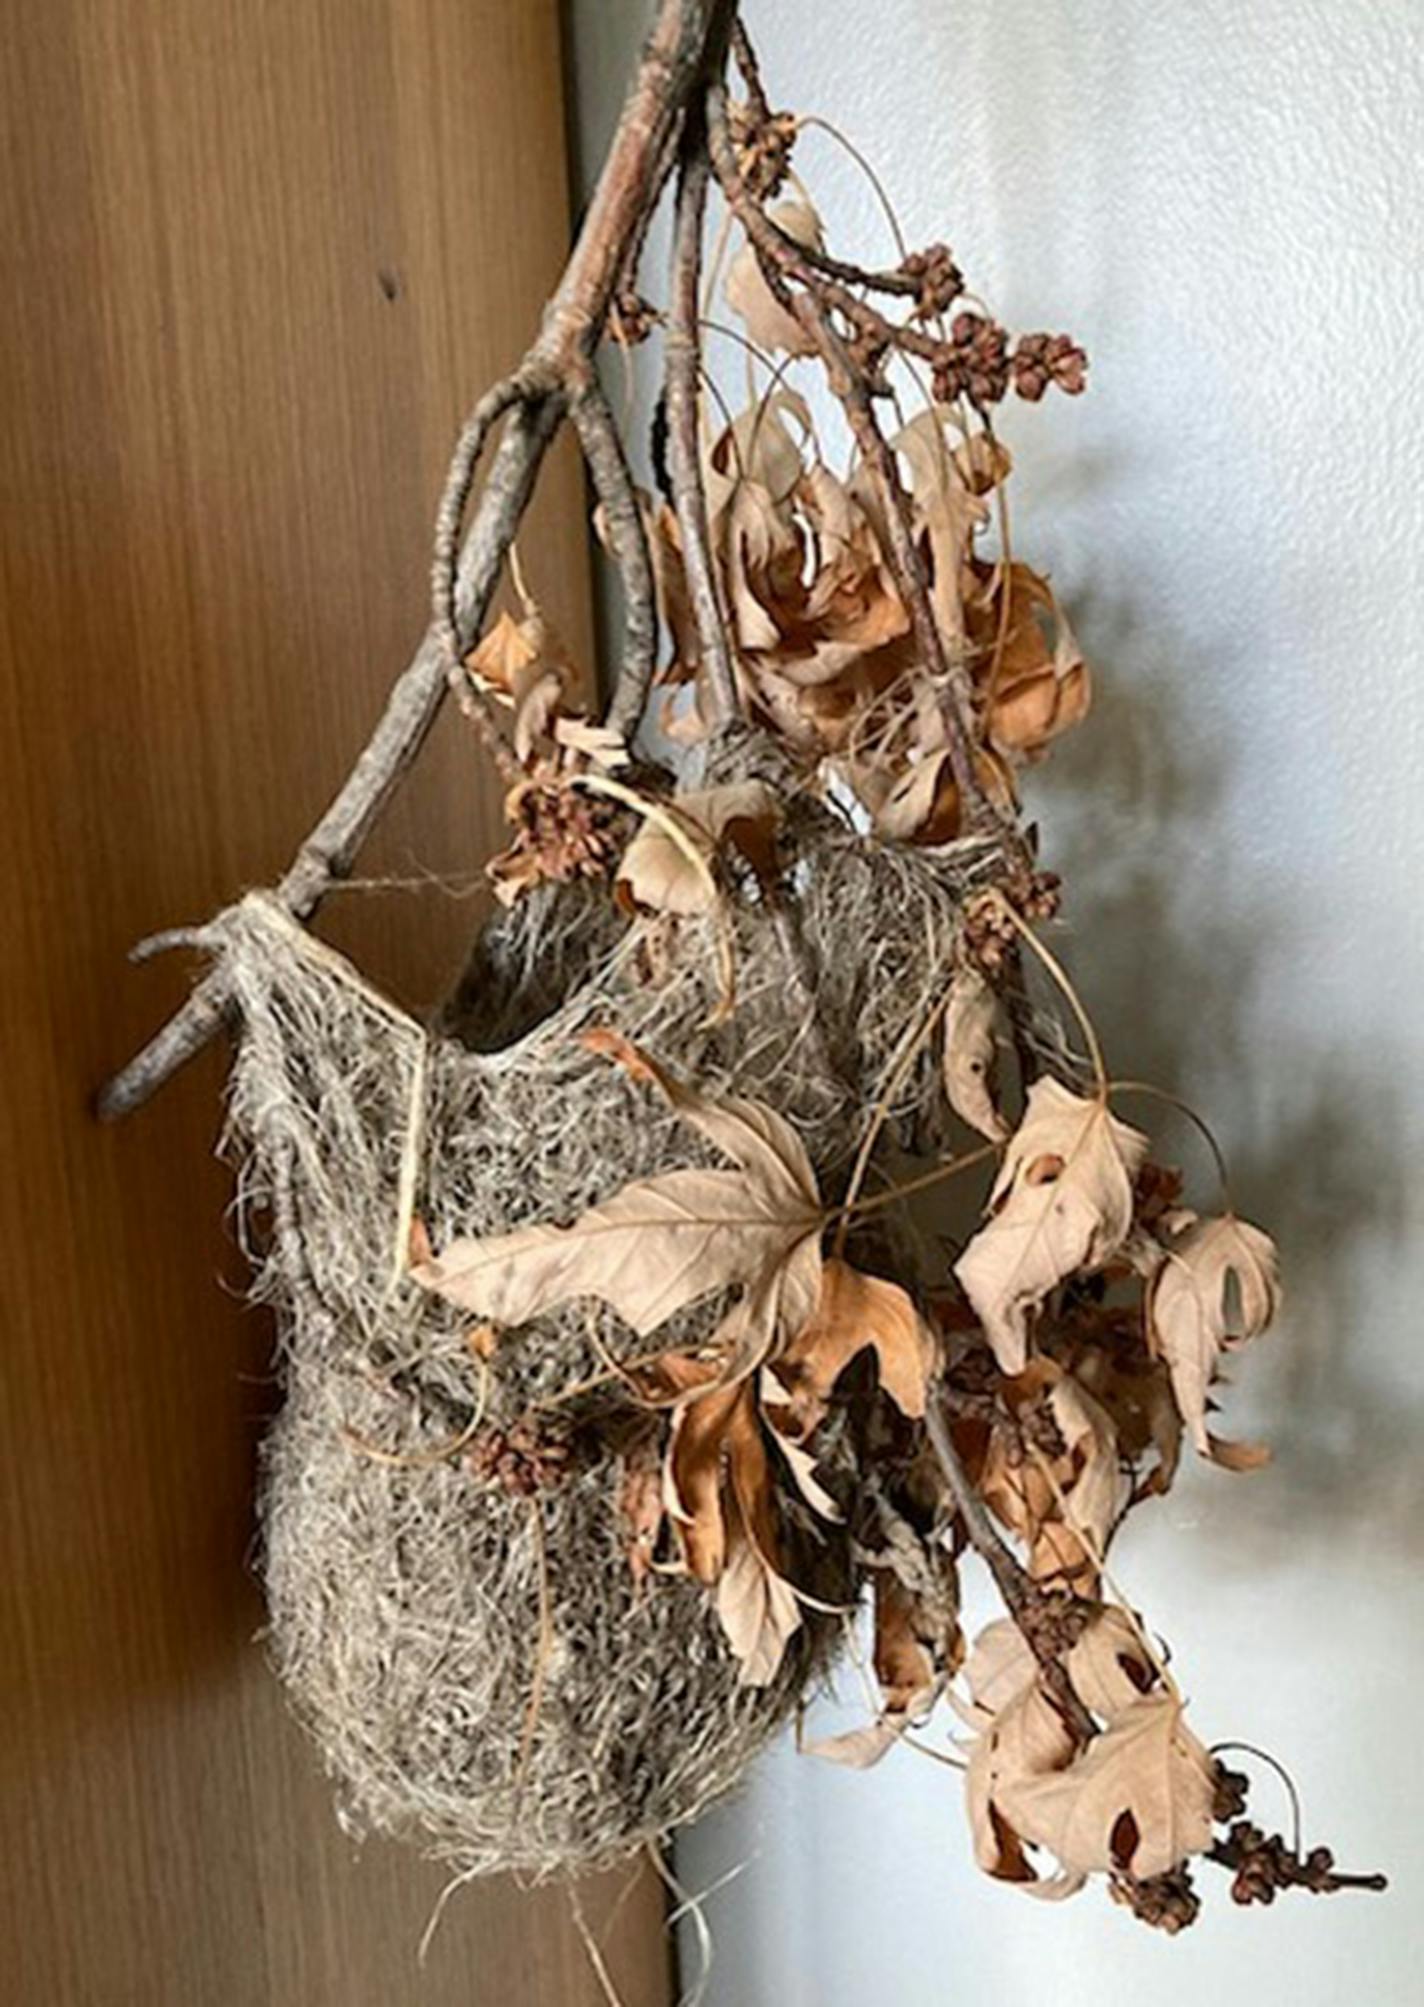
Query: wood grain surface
x=257, y=255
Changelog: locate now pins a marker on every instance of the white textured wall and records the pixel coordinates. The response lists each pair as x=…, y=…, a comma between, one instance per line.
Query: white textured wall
x=1222, y=202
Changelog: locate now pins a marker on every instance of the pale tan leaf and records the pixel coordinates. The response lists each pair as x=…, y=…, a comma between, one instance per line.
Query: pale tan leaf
x=1093, y=1495
x=1109, y=1666
x=758, y=1611
x=767, y=322
x=663, y=1243
x=999, y=1668
x=661, y=874
x=1138, y=1800
x=1192, y=1314
x=534, y=713
x=911, y=802
x=946, y=508
x=970, y=1052
x=858, y=1748
x=506, y=654
x=598, y=743
x=1024, y=1742
x=1062, y=1203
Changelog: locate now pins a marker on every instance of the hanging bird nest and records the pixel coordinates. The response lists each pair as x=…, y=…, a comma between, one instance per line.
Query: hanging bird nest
x=461, y=1559
x=627, y=1347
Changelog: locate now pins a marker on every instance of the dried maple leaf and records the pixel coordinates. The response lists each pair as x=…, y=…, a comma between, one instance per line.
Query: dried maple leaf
x=1090, y=1488
x=747, y=293
x=947, y=510
x=917, y=1647
x=752, y=476
x=1109, y=1665
x=1024, y=1739
x=1191, y=1318
x=1036, y=683
x=1062, y=1203
x=923, y=805
x=854, y=1311
x=1135, y=1389
x=717, y=1487
x=997, y=1671
x=970, y=1052
x=1137, y=1801
x=716, y=1458
x=758, y=1612
x=904, y=1656
x=663, y=1243
x=658, y=873
x=509, y=655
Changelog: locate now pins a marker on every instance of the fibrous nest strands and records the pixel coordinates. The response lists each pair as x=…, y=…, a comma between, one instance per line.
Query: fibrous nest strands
x=481, y=1669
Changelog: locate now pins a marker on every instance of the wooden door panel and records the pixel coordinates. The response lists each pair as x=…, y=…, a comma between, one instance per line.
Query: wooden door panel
x=257, y=257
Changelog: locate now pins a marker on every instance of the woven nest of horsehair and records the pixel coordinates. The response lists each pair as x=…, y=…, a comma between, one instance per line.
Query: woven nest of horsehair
x=479, y=1669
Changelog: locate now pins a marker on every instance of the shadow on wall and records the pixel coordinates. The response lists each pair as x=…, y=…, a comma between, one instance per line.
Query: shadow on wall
x=1321, y=1156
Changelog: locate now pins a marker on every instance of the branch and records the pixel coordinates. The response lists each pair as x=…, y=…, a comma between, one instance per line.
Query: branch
x=683, y=349
x=613, y=483
x=556, y=372
x=1039, y=1616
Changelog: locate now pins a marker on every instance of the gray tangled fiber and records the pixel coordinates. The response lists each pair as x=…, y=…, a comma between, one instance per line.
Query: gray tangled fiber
x=477, y=1668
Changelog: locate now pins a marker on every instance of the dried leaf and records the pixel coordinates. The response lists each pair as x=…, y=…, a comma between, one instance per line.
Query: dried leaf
x=1137, y=1801
x=715, y=1448
x=508, y=654
x=767, y=322
x=1092, y=1492
x=1192, y=1317
x=858, y=1748
x=662, y=1243
x=1109, y=1666
x=1062, y=1203
x=800, y=1461
x=1024, y=1741
x=904, y=1654
x=599, y=744
x=659, y=874
x=1000, y=1668
x=946, y=508
x=758, y=1612
x=970, y=1052
x=855, y=1311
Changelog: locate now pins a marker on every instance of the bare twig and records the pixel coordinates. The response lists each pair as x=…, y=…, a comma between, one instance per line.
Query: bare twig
x=684, y=350
x=608, y=466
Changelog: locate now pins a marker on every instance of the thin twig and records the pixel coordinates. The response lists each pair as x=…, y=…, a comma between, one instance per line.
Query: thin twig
x=684, y=452
x=608, y=466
